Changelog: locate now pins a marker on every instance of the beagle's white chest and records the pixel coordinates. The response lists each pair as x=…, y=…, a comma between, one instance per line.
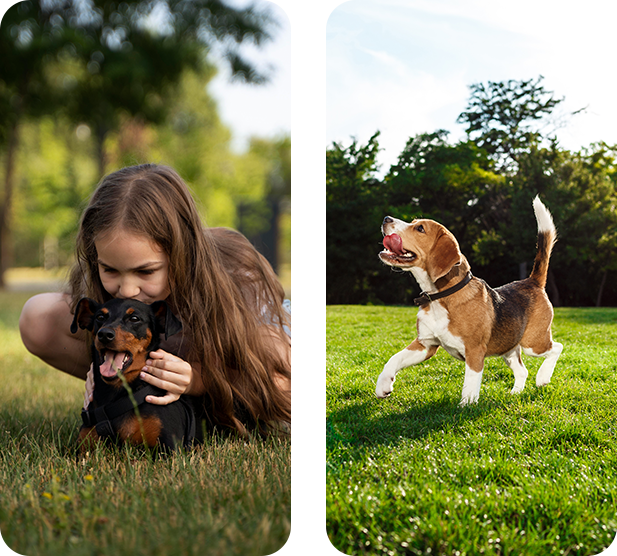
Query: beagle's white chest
x=433, y=328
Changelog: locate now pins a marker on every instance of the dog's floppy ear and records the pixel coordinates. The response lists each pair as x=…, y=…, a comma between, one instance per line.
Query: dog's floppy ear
x=166, y=321
x=84, y=314
x=445, y=255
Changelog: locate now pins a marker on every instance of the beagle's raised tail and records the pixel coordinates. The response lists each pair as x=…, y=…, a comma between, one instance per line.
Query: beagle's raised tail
x=547, y=236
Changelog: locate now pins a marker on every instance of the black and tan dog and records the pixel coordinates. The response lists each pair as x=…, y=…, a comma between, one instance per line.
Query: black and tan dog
x=462, y=314
x=125, y=332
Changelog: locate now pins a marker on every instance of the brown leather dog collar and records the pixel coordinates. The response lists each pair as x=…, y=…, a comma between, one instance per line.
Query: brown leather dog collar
x=426, y=298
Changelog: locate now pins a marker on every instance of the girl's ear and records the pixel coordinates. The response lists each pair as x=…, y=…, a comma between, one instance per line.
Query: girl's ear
x=445, y=255
x=84, y=314
x=166, y=322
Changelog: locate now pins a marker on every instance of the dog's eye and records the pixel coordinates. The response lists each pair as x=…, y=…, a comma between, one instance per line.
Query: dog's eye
x=134, y=318
x=101, y=317
x=420, y=229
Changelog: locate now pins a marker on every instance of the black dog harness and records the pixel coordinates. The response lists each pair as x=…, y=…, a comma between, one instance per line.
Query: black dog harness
x=101, y=417
x=426, y=298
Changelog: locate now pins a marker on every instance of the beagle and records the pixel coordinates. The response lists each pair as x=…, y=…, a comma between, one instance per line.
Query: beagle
x=465, y=316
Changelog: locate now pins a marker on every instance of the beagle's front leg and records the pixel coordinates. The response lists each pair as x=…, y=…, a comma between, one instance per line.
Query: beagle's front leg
x=474, y=366
x=413, y=354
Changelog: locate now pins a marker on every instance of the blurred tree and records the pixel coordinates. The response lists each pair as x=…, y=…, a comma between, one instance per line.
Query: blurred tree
x=55, y=157
x=259, y=219
x=105, y=59
x=133, y=54
x=580, y=189
x=24, y=92
x=54, y=175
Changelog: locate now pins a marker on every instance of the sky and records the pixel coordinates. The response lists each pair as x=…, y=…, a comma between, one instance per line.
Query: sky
x=403, y=67
x=259, y=110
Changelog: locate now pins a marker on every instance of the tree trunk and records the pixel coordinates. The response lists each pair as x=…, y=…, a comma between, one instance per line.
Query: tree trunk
x=6, y=247
x=602, y=283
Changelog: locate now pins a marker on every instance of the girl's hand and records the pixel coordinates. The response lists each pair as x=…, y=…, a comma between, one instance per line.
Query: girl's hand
x=168, y=372
x=89, y=388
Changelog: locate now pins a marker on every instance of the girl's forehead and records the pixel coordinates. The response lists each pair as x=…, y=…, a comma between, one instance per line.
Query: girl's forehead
x=125, y=242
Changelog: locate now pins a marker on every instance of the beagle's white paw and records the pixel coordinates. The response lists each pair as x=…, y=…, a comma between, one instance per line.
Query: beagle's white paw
x=384, y=386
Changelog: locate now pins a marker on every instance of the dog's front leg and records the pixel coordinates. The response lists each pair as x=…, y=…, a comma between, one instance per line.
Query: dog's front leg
x=474, y=366
x=412, y=355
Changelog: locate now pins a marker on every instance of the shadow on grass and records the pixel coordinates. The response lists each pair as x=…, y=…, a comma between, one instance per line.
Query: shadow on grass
x=362, y=424
x=369, y=423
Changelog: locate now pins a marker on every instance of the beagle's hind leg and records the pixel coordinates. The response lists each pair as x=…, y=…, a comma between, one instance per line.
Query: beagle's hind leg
x=514, y=361
x=412, y=355
x=545, y=372
x=537, y=340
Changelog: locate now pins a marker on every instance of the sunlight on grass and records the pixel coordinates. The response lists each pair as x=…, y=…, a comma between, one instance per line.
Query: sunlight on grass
x=534, y=473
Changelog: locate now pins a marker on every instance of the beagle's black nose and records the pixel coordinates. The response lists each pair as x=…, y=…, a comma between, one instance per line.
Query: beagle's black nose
x=388, y=219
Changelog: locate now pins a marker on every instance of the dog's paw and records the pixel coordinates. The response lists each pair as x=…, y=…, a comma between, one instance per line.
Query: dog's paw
x=516, y=390
x=466, y=400
x=542, y=381
x=384, y=386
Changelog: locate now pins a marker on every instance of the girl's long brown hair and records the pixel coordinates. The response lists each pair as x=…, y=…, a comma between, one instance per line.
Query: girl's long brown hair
x=225, y=292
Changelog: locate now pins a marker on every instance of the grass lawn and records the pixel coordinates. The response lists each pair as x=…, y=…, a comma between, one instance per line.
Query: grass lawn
x=532, y=474
x=227, y=497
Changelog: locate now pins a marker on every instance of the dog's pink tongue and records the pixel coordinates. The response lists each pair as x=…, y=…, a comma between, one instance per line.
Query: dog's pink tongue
x=113, y=362
x=393, y=243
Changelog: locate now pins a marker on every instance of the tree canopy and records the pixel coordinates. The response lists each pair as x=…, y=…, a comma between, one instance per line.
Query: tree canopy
x=480, y=188
x=117, y=84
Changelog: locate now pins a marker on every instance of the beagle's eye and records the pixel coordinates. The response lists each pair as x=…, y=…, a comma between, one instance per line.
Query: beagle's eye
x=420, y=229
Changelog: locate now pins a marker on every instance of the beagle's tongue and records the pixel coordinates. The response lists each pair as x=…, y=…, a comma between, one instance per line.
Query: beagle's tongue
x=393, y=243
x=114, y=360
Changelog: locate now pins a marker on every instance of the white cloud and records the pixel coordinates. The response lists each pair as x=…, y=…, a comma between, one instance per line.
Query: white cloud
x=403, y=66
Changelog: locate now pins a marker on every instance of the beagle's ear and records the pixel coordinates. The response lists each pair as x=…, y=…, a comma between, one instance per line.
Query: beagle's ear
x=444, y=256
x=84, y=314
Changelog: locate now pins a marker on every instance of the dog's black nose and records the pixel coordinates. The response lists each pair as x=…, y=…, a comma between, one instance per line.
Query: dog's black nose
x=106, y=335
x=388, y=219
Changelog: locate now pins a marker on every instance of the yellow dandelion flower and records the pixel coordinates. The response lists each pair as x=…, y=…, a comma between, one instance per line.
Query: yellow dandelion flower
x=89, y=478
x=48, y=495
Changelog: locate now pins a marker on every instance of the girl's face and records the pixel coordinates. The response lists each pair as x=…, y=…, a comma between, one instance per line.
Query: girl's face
x=132, y=266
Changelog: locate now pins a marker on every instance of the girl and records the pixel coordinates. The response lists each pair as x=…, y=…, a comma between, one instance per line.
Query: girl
x=141, y=237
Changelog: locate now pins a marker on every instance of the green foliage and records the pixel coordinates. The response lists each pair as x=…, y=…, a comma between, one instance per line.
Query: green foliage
x=229, y=496
x=56, y=171
x=119, y=80
x=414, y=474
x=448, y=183
x=481, y=189
x=355, y=207
x=500, y=117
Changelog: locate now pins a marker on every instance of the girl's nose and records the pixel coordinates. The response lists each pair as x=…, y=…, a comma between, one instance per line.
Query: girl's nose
x=128, y=289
